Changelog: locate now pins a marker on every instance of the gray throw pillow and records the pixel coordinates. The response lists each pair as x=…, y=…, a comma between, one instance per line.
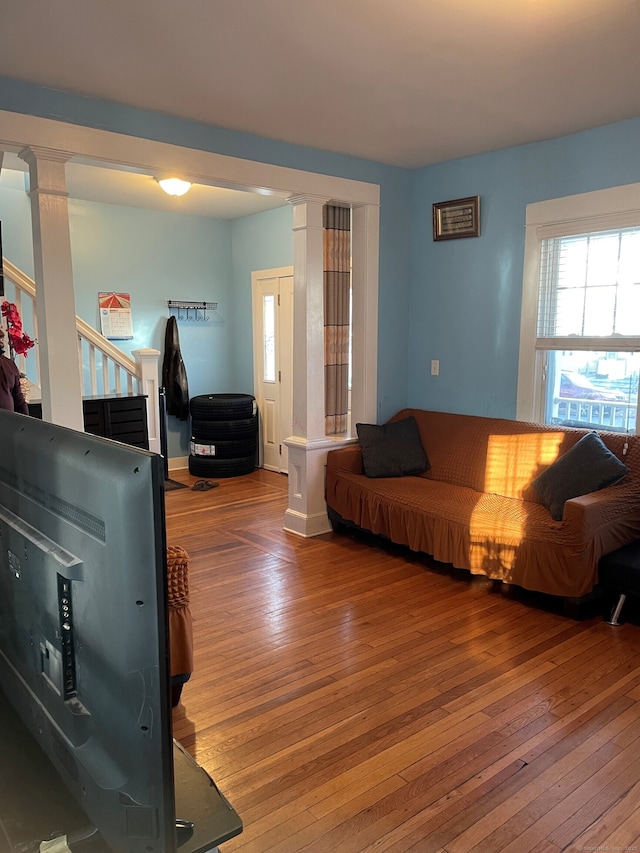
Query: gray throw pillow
x=587, y=467
x=393, y=449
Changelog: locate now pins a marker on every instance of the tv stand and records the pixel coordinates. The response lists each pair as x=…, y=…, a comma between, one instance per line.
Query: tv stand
x=35, y=805
x=213, y=818
x=184, y=831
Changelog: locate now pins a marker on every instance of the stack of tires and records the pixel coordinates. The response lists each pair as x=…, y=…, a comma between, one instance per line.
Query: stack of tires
x=224, y=435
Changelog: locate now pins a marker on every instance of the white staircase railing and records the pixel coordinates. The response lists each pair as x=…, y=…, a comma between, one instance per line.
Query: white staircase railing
x=104, y=369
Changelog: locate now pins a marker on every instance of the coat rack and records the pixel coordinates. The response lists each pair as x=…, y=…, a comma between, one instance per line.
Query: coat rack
x=193, y=312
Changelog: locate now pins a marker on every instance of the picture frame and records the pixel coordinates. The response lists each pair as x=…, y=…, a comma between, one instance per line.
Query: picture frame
x=457, y=218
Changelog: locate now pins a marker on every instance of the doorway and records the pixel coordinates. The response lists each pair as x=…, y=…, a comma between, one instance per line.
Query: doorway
x=272, y=297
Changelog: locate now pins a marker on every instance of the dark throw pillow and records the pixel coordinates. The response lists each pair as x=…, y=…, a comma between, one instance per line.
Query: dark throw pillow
x=393, y=449
x=587, y=467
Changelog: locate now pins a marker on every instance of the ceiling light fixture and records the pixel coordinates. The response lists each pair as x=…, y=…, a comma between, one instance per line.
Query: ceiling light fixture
x=174, y=186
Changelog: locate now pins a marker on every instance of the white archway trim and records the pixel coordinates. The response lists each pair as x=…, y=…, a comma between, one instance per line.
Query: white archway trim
x=195, y=165
x=151, y=157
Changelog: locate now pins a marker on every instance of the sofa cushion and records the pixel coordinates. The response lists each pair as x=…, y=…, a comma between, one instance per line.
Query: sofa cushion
x=392, y=449
x=587, y=467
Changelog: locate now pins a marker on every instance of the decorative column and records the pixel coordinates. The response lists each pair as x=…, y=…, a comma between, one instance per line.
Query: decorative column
x=306, y=514
x=337, y=320
x=365, y=225
x=148, y=383
x=55, y=304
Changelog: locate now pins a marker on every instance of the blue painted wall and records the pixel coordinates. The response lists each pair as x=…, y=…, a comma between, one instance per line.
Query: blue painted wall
x=395, y=188
x=457, y=301
x=156, y=257
x=466, y=294
x=15, y=216
x=260, y=242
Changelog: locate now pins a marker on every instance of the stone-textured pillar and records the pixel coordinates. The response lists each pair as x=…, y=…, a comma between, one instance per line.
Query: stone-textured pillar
x=306, y=514
x=55, y=303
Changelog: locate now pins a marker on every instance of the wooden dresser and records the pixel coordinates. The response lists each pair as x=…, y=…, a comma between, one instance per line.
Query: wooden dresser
x=120, y=418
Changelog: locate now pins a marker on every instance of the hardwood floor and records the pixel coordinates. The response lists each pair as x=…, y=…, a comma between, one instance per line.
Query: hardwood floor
x=354, y=699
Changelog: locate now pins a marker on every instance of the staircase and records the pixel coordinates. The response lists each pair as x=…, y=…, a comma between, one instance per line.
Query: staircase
x=105, y=371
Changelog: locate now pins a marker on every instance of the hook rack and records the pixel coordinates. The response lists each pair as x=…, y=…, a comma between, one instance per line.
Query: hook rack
x=191, y=311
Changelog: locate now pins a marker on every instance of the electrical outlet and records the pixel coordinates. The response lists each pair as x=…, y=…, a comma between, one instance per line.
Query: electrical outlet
x=435, y=367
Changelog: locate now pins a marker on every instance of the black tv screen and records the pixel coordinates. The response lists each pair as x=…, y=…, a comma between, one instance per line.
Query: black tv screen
x=83, y=622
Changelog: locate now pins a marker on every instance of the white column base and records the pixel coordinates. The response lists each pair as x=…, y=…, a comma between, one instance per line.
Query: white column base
x=306, y=514
x=306, y=525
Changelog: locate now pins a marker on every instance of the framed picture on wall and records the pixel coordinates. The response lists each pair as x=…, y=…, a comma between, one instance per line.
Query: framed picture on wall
x=457, y=218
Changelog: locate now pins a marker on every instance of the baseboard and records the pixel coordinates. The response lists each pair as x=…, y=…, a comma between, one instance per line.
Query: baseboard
x=178, y=463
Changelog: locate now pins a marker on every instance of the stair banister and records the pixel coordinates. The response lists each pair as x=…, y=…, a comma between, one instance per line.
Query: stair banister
x=96, y=354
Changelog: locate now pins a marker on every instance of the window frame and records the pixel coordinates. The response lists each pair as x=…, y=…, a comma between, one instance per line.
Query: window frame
x=600, y=210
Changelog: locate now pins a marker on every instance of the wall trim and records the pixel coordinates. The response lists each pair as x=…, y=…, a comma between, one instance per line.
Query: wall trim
x=205, y=167
x=18, y=131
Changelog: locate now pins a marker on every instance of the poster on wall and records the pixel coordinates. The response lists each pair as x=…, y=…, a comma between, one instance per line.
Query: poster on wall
x=115, y=316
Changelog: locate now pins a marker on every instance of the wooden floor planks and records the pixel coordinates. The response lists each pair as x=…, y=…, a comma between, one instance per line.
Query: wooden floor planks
x=354, y=698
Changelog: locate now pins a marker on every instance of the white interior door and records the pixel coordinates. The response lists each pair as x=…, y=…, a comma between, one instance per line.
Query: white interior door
x=272, y=361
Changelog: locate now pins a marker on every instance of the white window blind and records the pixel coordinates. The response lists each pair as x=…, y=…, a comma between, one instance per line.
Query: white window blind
x=589, y=288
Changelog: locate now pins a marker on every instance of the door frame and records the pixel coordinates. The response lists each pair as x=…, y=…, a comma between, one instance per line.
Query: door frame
x=256, y=277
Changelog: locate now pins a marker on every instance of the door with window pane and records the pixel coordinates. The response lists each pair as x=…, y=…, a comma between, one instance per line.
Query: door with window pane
x=273, y=354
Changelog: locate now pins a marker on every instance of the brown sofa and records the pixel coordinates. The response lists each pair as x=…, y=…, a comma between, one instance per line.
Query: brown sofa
x=475, y=507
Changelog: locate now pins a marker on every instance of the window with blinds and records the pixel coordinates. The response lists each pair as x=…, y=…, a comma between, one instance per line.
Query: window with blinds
x=589, y=289
x=579, y=360
x=588, y=328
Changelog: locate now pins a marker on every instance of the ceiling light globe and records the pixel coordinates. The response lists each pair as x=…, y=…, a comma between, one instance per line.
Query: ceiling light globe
x=174, y=186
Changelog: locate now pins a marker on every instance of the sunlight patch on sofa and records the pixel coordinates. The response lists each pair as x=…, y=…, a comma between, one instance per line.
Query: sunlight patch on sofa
x=514, y=461
x=497, y=527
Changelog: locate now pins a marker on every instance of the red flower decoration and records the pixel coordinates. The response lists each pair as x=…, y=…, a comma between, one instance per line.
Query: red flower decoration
x=19, y=341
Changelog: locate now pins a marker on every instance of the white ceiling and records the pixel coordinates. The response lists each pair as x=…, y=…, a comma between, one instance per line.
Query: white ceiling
x=408, y=84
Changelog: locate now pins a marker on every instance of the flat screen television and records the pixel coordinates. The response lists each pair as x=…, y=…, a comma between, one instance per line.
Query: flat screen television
x=83, y=622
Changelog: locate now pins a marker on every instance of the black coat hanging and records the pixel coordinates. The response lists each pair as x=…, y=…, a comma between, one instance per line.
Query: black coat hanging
x=174, y=374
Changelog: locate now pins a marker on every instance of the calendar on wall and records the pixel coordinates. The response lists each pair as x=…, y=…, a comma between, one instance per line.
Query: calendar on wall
x=115, y=316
